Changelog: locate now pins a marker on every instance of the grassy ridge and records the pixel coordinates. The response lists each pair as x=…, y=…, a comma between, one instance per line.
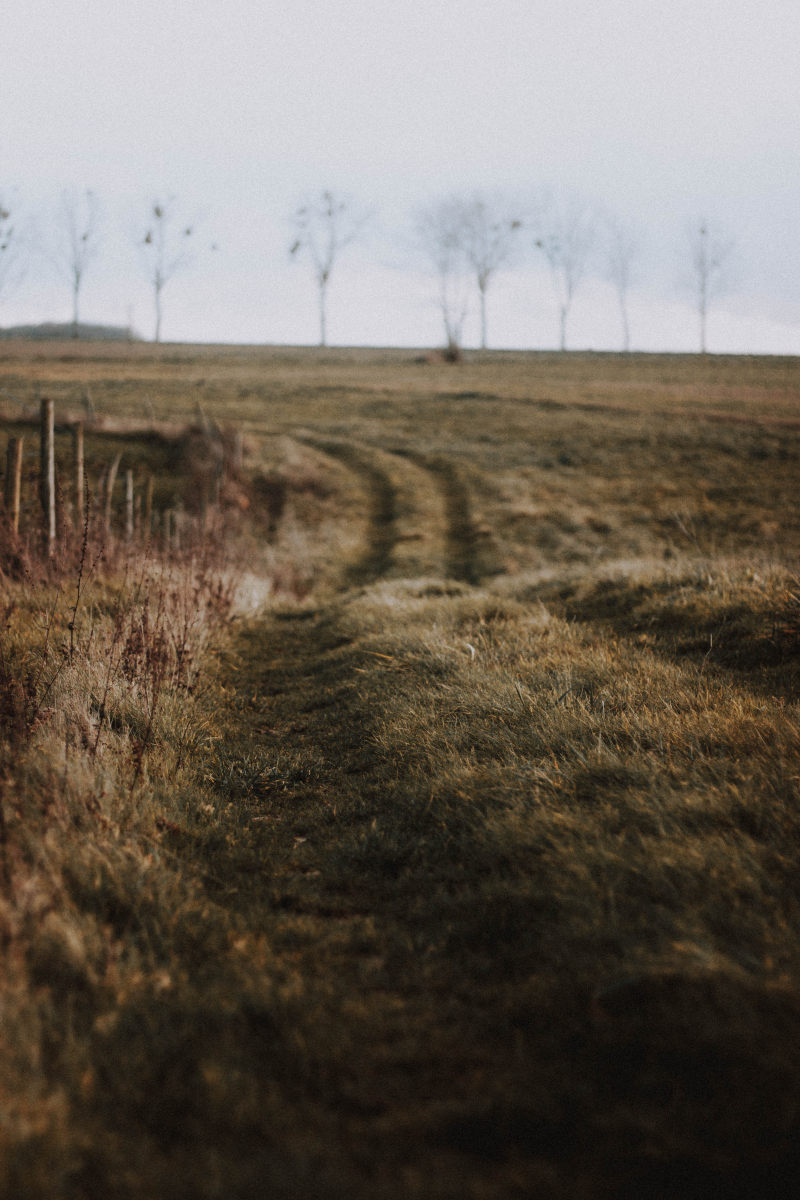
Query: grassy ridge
x=467, y=867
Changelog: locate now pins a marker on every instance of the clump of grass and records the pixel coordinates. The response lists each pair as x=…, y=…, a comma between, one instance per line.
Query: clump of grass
x=100, y=675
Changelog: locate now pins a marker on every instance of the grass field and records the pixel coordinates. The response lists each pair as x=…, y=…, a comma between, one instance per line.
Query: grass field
x=455, y=855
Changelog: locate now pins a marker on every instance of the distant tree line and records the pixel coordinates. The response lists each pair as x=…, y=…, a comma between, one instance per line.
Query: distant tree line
x=464, y=240
x=74, y=243
x=467, y=240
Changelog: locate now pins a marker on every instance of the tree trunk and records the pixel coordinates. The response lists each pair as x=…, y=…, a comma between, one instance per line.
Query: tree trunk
x=323, y=288
x=626, y=333
x=702, y=303
x=562, y=315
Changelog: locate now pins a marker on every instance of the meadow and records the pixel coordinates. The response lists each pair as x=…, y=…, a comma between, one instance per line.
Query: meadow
x=428, y=828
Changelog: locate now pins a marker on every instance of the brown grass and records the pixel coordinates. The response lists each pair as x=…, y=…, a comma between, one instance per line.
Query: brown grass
x=463, y=863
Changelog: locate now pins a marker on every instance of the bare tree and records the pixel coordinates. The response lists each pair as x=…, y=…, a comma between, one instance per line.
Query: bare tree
x=489, y=234
x=709, y=253
x=621, y=252
x=439, y=230
x=323, y=228
x=79, y=216
x=10, y=267
x=568, y=248
x=165, y=251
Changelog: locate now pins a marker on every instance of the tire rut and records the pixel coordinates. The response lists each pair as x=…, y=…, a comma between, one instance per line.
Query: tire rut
x=382, y=535
x=441, y=528
x=463, y=537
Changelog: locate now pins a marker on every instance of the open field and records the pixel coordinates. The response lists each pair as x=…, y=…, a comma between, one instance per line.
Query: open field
x=458, y=857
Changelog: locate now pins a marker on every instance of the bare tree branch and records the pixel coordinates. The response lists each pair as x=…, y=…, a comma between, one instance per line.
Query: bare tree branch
x=465, y=238
x=621, y=252
x=489, y=234
x=709, y=253
x=439, y=234
x=165, y=251
x=323, y=228
x=11, y=269
x=79, y=216
x=568, y=247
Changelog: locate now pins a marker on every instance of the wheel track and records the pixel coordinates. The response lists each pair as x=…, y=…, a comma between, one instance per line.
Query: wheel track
x=382, y=513
x=463, y=539
x=420, y=518
x=468, y=555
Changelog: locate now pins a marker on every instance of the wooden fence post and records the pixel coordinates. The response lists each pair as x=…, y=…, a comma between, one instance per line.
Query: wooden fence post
x=111, y=479
x=13, y=483
x=48, y=475
x=77, y=436
x=129, y=506
x=148, y=508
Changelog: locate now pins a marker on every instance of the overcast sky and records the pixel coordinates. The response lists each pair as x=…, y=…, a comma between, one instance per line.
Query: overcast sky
x=660, y=112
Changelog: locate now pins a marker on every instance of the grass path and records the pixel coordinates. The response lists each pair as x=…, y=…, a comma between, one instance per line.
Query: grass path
x=448, y=981
x=408, y=1076
x=478, y=855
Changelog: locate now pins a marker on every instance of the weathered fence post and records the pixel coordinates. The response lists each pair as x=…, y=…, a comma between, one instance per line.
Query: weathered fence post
x=48, y=475
x=77, y=437
x=148, y=508
x=111, y=479
x=13, y=484
x=129, y=506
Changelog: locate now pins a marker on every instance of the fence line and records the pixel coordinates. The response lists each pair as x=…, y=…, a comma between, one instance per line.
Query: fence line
x=65, y=507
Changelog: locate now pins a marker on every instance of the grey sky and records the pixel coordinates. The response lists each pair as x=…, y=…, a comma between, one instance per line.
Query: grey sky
x=659, y=112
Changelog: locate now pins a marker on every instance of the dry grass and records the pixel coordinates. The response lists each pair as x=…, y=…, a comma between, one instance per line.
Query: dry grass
x=463, y=864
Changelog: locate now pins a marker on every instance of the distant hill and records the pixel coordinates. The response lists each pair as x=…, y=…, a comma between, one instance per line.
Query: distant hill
x=54, y=331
